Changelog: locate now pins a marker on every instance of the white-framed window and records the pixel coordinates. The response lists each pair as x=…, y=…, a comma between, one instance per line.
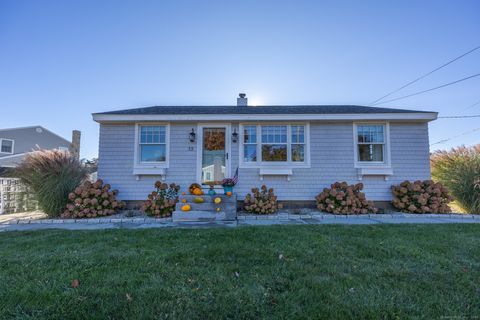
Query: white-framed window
x=151, y=147
x=6, y=146
x=274, y=145
x=250, y=144
x=371, y=144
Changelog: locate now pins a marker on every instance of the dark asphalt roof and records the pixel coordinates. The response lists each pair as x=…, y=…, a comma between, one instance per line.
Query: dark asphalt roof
x=287, y=109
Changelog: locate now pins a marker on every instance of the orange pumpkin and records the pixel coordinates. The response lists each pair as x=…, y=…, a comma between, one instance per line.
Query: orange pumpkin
x=194, y=186
x=229, y=193
x=184, y=200
x=186, y=207
x=197, y=191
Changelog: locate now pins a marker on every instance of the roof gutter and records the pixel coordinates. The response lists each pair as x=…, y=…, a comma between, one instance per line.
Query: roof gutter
x=414, y=116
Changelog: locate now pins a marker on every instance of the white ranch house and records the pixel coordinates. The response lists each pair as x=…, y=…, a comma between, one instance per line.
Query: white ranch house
x=297, y=150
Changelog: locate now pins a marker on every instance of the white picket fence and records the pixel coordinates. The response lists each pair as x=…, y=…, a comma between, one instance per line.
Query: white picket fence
x=15, y=197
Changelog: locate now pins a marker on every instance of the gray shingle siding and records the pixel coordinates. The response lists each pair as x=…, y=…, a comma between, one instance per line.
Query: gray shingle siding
x=332, y=159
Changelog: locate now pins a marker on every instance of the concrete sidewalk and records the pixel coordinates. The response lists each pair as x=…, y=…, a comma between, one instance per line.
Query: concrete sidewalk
x=243, y=220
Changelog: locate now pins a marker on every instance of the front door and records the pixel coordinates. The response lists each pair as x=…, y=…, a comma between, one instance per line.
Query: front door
x=214, y=149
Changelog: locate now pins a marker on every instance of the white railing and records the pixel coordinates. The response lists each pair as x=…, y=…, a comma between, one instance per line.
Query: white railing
x=15, y=196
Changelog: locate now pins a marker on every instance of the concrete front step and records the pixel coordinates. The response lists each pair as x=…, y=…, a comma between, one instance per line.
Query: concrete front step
x=206, y=206
x=208, y=198
x=198, y=216
x=206, y=211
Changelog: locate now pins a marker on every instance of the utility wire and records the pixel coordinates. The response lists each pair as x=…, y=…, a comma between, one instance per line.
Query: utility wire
x=425, y=75
x=460, y=117
x=431, y=89
x=473, y=105
x=457, y=136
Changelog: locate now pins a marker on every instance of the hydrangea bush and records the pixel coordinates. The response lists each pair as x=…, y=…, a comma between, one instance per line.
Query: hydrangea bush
x=161, y=202
x=421, y=197
x=91, y=200
x=261, y=201
x=342, y=198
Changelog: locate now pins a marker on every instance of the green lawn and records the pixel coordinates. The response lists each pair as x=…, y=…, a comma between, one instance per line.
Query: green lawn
x=374, y=271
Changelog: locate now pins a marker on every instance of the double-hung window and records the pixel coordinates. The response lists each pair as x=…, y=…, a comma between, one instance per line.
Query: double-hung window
x=298, y=143
x=274, y=144
x=371, y=143
x=6, y=146
x=250, y=144
x=152, y=144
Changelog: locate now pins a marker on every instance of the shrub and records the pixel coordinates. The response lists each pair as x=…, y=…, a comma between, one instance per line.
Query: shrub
x=459, y=170
x=91, y=200
x=51, y=175
x=262, y=201
x=161, y=202
x=342, y=198
x=421, y=197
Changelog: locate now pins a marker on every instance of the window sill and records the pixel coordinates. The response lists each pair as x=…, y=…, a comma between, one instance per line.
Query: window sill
x=150, y=171
x=275, y=172
x=287, y=165
x=374, y=171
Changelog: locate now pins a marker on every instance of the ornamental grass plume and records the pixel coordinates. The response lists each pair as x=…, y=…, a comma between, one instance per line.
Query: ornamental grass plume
x=459, y=170
x=51, y=175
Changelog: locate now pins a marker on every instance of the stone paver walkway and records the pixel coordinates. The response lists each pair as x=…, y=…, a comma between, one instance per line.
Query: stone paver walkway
x=243, y=220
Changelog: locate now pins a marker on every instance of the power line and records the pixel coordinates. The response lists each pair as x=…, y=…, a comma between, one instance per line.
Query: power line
x=460, y=117
x=457, y=136
x=431, y=89
x=425, y=75
x=473, y=105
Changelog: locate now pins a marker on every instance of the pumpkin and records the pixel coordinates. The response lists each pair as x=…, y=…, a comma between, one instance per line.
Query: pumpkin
x=194, y=186
x=184, y=193
x=229, y=193
x=186, y=207
x=198, y=200
x=197, y=191
x=217, y=200
x=184, y=200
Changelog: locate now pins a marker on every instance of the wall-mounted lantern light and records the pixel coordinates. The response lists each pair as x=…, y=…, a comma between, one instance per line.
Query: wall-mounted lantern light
x=234, y=136
x=191, y=136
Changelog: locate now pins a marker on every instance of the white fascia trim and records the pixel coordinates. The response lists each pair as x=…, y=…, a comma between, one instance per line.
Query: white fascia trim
x=13, y=155
x=427, y=116
x=43, y=128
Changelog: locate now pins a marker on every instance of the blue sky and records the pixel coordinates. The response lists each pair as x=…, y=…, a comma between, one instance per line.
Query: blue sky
x=62, y=60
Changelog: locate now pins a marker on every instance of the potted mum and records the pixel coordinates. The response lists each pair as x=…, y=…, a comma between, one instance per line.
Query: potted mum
x=229, y=183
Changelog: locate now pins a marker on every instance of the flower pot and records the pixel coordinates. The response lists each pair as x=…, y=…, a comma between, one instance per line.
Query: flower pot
x=227, y=189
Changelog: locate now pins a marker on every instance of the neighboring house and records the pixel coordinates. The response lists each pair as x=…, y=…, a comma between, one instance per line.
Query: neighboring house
x=297, y=150
x=15, y=143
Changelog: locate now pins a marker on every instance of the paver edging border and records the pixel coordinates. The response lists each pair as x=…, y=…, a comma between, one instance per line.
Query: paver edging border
x=280, y=216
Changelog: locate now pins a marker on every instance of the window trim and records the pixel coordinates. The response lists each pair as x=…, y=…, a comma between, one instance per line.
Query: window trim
x=151, y=164
x=386, y=163
x=13, y=145
x=274, y=164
